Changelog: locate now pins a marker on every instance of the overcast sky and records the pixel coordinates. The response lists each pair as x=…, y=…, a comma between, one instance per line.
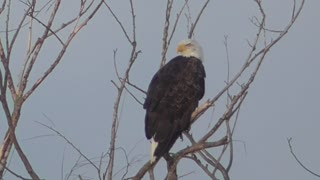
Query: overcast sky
x=78, y=97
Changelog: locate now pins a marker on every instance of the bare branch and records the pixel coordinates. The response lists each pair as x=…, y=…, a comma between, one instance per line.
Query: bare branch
x=151, y=174
x=210, y=159
x=133, y=56
x=8, y=77
x=195, y=148
x=176, y=23
x=165, y=32
x=62, y=163
x=203, y=167
x=189, y=150
x=133, y=96
x=38, y=46
x=73, y=168
x=133, y=16
x=7, y=25
x=3, y=6
x=219, y=159
x=119, y=22
x=197, y=20
x=115, y=63
x=15, y=174
x=166, y=29
x=29, y=10
x=136, y=87
x=294, y=9
x=24, y=158
x=186, y=174
x=61, y=42
x=297, y=159
x=70, y=143
x=228, y=65
x=127, y=164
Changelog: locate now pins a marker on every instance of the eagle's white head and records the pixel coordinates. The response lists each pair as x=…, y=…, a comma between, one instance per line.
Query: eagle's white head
x=190, y=47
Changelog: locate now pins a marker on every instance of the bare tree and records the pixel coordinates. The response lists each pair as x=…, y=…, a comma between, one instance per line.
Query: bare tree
x=199, y=149
x=21, y=89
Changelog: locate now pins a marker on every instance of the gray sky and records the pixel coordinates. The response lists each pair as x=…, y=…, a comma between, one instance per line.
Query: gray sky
x=78, y=97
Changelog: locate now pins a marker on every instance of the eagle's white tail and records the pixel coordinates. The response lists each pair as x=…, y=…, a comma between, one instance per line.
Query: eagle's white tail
x=154, y=145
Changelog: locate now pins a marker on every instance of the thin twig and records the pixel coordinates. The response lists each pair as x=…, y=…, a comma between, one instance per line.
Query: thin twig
x=228, y=65
x=73, y=168
x=197, y=20
x=24, y=159
x=200, y=164
x=136, y=87
x=15, y=174
x=119, y=22
x=166, y=32
x=176, y=23
x=115, y=122
x=59, y=39
x=70, y=143
x=127, y=164
x=166, y=40
x=3, y=6
x=133, y=96
x=210, y=159
x=195, y=148
x=297, y=159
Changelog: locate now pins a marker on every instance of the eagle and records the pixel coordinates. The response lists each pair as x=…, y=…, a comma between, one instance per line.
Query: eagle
x=173, y=94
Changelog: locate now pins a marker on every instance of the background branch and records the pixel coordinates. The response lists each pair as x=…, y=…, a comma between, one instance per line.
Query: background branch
x=121, y=87
x=18, y=94
x=297, y=159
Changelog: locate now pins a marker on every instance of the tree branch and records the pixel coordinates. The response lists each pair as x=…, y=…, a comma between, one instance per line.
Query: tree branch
x=193, y=26
x=115, y=122
x=297, y=159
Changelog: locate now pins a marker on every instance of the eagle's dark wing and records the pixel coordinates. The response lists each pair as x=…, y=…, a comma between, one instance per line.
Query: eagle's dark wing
x=172, y=96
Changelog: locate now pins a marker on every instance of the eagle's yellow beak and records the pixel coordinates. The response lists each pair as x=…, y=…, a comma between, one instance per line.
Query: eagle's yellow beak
x=181, y=48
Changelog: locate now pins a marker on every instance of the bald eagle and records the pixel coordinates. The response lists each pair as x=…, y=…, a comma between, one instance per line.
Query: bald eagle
x=173, y=94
